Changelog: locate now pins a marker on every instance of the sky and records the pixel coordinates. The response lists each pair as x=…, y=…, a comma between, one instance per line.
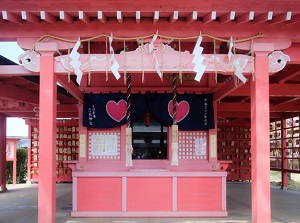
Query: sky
x=14, y=126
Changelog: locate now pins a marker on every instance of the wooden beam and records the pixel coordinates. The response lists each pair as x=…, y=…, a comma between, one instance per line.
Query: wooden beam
x=70, y=87
x=119, y=17
x=227, y=17
x=174, y=17
x=294, y=19
x=46, y=16
x=65, y=17
x=281, y=18
x=276, y=90
x=14, y=93
x=14, y=70
x=263, y=18
x=236, y=107
x=226, y=89
x=2, y=21
x=83, y=17
x=156, y=17
x=293, y=71
x=192, y=17
x=285, y=101
x=247, y=17
x=101, y=17
x=210, y=17
x=11, y=17
x=138, y=17
x=29, y=17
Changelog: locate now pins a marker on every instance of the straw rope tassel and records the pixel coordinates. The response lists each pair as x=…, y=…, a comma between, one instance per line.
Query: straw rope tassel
x=174, y=161
x=128, y=147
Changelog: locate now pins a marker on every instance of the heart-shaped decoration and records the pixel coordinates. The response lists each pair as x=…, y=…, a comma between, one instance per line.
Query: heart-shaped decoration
x=116, y=111
x=182, y=108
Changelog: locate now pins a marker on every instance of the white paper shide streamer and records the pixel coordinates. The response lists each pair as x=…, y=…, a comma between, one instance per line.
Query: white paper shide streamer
x=151, y=50
x=75, y=63
x=199, y=68
x=114, y=63
x=238, y=70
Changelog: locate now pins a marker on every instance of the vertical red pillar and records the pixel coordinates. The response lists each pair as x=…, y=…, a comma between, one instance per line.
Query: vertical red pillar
x=15, y=163
x=3, y=152
x=47, y=134
x=260, y=141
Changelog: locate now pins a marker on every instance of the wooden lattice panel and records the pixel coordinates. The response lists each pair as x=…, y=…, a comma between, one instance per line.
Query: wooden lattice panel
x=192, y=145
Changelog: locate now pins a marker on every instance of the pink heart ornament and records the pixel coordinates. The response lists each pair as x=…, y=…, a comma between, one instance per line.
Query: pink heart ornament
x=182, y=108
x=116, y=111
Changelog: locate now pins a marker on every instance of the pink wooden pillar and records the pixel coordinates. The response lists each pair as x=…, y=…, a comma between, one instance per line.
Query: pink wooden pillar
x=15, y=163
x=47, y=136
x=260, y=141
x=3, y=152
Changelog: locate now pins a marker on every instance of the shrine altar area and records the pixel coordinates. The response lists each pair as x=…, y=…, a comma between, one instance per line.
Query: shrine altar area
x=103, y=186
x=149, y=193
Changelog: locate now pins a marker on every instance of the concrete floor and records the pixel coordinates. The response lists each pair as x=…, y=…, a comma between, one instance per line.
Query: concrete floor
x=19, y=205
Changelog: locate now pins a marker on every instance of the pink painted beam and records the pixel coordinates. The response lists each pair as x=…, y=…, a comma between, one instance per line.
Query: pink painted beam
x=12, y=92
x=46, y=16
x=71, y=88
x=263, y=18
x=101, y=16
x=83, y=17
x=247, y=17
x=294, y=19
x=227, y=17
x=192, y=17
x=11, y=17
x=29, y=17
x=210, y=17
x=65, y=17
x=119, y=16
x=281, y=18
x=174, y=17
x=138, y=17
x=156, y=17
x=226, y=89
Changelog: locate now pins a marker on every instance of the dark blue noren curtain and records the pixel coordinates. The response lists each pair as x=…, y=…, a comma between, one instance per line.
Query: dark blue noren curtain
x=200, y=115
x=194, y=111
x=95, y=114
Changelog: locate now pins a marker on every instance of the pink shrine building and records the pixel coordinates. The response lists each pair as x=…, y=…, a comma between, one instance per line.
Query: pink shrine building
x=128, y=99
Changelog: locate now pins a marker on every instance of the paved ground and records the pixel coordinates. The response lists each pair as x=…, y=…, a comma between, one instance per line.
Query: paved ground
x=19, y=205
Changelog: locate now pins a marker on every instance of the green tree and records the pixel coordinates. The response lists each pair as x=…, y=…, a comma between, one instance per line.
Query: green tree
x=21, y=167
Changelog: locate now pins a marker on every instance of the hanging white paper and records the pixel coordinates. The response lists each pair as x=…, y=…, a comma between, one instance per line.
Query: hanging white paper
x=199, y=68
x=75, y=63
x=114, y=63
x=239, y=72
x=230, y=54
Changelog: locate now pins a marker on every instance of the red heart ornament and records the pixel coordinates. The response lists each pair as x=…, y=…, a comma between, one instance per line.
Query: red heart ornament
x=182, y=108
x=116, y=111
